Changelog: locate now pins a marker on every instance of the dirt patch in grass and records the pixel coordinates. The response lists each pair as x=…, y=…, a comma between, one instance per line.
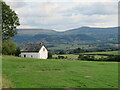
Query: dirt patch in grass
x=40, y=71
x=88, y=76
x=6, y=83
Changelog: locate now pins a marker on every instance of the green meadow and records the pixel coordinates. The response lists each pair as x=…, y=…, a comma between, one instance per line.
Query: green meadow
x=74, y=56
x=69, y=56
x=54, y=73
x=107, y=52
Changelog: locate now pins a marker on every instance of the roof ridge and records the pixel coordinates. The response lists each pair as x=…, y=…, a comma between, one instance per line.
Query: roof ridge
x=32, y=47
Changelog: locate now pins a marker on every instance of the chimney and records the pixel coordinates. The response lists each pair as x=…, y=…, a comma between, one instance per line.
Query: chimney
x=40, y=43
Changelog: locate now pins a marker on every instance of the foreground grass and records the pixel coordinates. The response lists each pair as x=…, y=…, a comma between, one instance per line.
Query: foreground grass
x=35, y=73
x=6, y=83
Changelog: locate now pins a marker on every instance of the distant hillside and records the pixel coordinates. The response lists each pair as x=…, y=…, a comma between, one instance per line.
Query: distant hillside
x=81, y=30
x=55, y=39
x=92, y=31
x=35, y=31
x=98, y=33
x=79, y=36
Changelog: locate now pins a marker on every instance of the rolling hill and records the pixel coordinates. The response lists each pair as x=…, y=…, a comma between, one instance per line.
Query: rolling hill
x=35, y=31
x=92, y=30
x=78, y=36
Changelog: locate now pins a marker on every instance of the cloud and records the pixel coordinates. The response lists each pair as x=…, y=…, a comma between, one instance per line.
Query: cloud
x=65, y=0
x=13, y=4
x=65, y=15
x=92, y=8
x=26, y=26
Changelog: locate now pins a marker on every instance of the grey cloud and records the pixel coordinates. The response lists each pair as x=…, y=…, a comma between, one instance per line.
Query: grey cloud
x=19, y=4
x=16, y=5
x=67, y=15
x=98, y=8
x=93, y=8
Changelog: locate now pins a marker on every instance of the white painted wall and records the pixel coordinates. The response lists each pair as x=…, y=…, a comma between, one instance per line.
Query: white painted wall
x=42, y=54
x=30, y=54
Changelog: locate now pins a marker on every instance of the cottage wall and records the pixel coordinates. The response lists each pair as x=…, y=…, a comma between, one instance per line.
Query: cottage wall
x=30, y=54
x=43, y=53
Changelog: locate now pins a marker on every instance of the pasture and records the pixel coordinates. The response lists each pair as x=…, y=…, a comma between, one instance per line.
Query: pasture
x=107, y=52
x=100, y=54
x=69, y=56
x=35, y=73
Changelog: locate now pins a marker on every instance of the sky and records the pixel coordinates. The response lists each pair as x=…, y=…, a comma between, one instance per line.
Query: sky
x=61, y=15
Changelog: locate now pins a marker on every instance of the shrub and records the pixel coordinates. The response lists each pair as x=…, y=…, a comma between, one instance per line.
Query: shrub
x=62, y=52
x=49, y=55
x=92, y=58
x=10, y=48
x=61, y=57
x=86, y=57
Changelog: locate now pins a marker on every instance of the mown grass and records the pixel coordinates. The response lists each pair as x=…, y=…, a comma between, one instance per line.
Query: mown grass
x=107, y=52
x=36, y=73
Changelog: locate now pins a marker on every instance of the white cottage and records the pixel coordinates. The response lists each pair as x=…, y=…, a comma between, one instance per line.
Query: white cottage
x=34, y=51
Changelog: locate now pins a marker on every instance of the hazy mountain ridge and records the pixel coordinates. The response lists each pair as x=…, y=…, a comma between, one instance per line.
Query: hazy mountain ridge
x=81, y=30
x=35, y=31
x=83, y=35
x=92, y=30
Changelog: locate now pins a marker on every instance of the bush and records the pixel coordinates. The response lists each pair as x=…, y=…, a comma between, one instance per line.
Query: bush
x=92, y=58
x=114, y=58
x=62, y=52
x=10, y=48
x=62, y=57
x=77, y=51
x=86, y=57
x=49, y=55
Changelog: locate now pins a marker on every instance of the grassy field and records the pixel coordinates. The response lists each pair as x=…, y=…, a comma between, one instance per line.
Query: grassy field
x=73, y=56
x=108, y=52
x=35, y=73
x=69, y=56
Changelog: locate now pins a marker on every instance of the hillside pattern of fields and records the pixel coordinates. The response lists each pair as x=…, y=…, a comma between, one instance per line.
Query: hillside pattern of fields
x=35, y=73
x=96, y=54
x=84, y=37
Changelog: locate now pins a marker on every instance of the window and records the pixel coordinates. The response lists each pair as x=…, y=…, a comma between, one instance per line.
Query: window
x=24, y=55
x=43, y=49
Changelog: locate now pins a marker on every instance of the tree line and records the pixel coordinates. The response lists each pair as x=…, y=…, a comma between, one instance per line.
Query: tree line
x=92, y=58
x=10, y=21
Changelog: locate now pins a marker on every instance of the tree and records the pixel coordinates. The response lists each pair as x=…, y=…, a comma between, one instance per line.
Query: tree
x=62, y=52
x=86, y=57
x=61, y=57
x=78, y=50
x=10, y=21
x=49, y=55
x=10, y=48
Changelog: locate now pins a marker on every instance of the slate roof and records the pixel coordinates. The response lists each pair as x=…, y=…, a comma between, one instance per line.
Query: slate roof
x=31, y=48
